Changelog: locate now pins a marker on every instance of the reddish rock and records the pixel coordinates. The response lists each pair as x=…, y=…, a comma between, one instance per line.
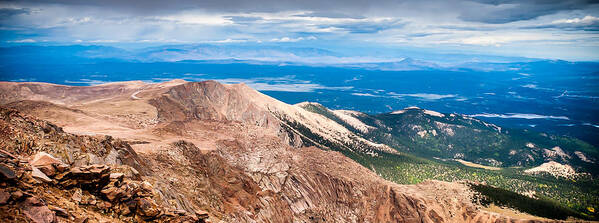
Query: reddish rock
x=4, y=153
x=147, y=208
x=16, y=195
x=92, y=176
x=77, y=195
x=4, y=196
x=59, y=211
x=146, y=186
x=112, y=193
x=117, y=176
x=45, y=162
x=36, y=211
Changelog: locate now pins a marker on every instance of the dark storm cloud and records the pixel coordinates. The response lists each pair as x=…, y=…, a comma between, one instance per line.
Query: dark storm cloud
x=9, y=12
x=159, y=6
x=485, y=11
x=506, y=11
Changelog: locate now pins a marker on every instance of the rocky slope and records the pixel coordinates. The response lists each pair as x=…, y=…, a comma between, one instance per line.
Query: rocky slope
x=227, y=150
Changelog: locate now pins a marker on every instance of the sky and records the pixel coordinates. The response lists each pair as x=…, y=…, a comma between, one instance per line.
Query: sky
x=554, y=29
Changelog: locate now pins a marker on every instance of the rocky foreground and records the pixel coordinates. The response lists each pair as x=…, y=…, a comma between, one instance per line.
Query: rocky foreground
x=199, y=153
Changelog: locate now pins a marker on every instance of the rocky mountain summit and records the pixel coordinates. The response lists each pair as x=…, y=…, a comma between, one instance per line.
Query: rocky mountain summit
x=197, y=152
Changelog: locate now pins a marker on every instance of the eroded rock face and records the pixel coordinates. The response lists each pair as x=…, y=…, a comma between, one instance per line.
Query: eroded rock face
x=265, y=181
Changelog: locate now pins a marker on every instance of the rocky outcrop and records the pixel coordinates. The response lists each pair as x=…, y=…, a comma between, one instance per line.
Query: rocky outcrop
x=44, y=188
x=96, y=190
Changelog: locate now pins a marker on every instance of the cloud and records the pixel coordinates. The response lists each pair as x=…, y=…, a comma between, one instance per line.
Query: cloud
x=229, y=41
x=587, y=23
x=368, y=26
x=293, y=87
x=503, y=38
x=22, y=41
x=288, y=39
x=333, y=15
x=244, y=19
x=533, y=86
x=589, y=124
x=425, y=96
x=505, y=27
x=9, y=12
x=520, y=116
x=536, y=87
x=506, y=11
x=365, y=94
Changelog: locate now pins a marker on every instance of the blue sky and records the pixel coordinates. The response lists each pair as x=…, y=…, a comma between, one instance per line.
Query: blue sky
x=556, y=29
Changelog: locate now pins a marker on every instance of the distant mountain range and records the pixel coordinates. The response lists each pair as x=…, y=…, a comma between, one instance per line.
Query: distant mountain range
x=252, y=54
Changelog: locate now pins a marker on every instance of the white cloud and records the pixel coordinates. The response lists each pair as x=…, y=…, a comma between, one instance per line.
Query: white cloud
x=22, y=41
x=585, y=20
x=298, y=87
x=229, y=40
x=365, y=94
x=426, y=96
x=196, y=18
x=520, y=116
x=499, y=39
x=409, y=23
x=288, y=39
x=589, y=124
x=533, y=86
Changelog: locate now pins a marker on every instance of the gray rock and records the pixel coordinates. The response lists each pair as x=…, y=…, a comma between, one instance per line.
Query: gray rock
x=7, y=172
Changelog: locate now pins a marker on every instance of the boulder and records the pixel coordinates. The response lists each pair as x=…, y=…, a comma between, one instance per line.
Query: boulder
x=47, y=163
x=147, y=186
x=92, y=176
x=112, y=193
x=16, y=195
x=7, y=173
x=116, y=176
x=147, y=208
x=37, y=211
x=38, y=174
x=4, y=196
